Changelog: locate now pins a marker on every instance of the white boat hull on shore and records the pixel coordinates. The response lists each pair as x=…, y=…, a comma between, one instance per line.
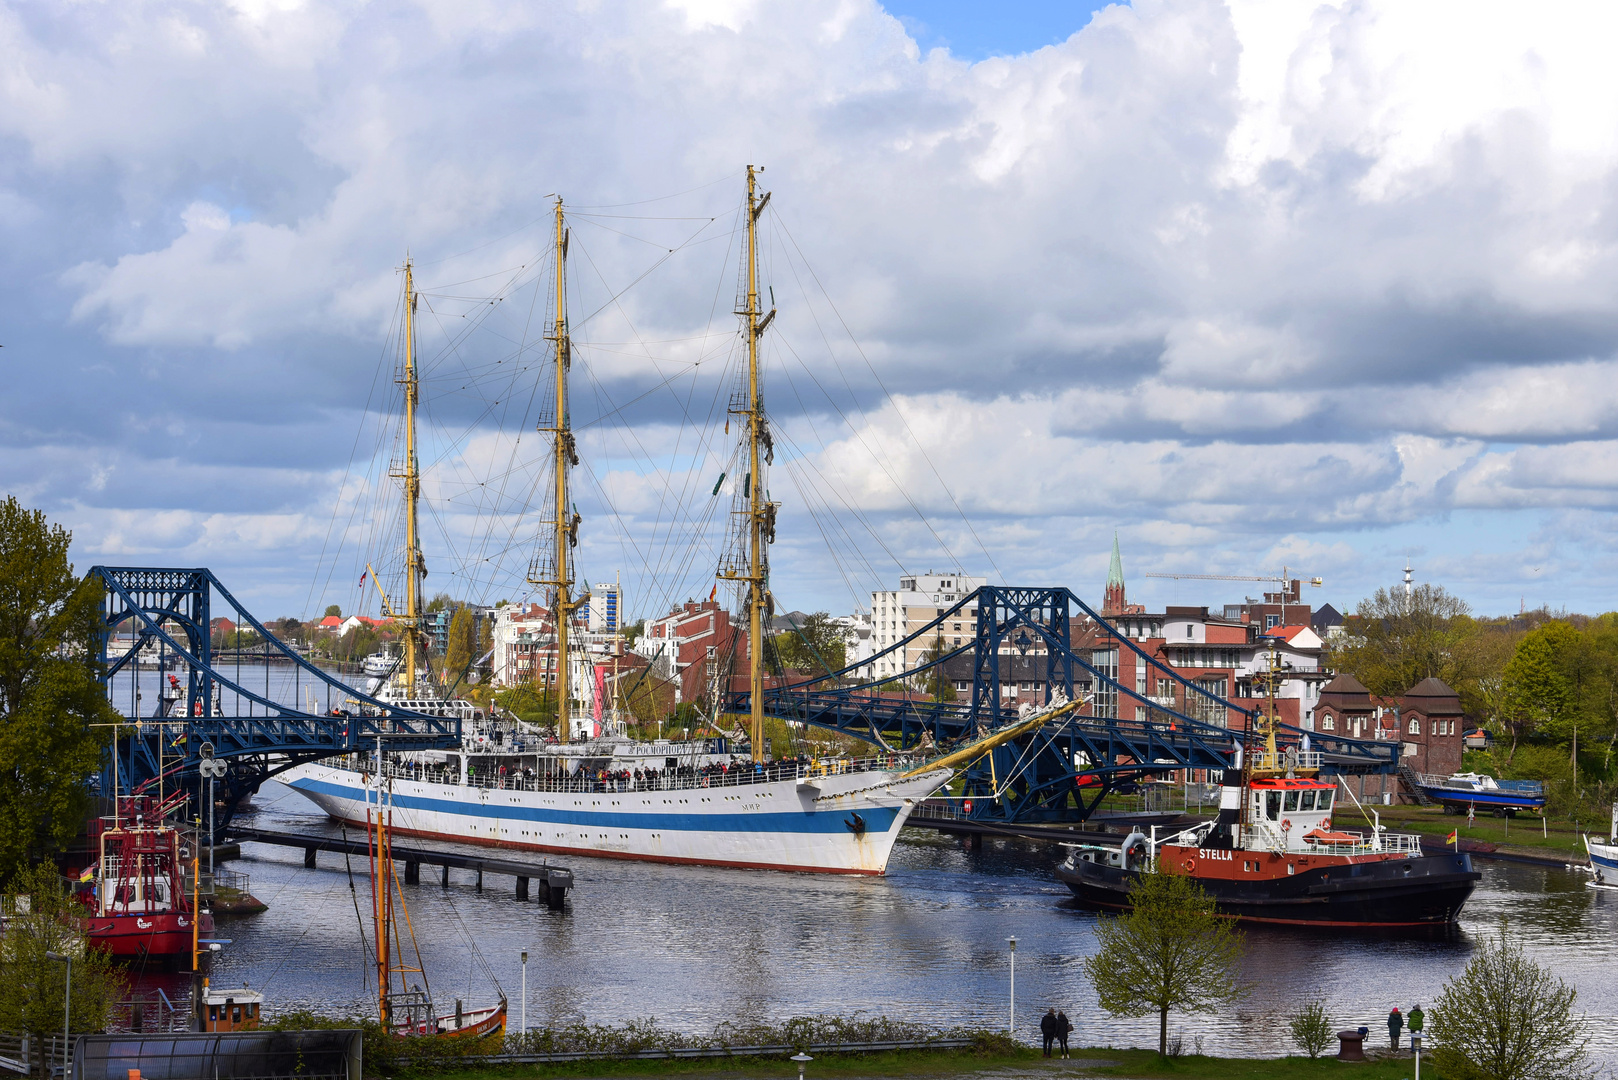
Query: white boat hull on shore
x=844, y=823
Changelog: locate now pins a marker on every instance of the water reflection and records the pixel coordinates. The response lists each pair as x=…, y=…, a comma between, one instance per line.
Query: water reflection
x=694, y=946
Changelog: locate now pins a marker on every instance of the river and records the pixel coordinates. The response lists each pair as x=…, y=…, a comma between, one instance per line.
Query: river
x=692, y=946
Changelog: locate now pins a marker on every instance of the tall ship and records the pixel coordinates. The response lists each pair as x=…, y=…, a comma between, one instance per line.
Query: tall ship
x=718, y=801
x=1272, y=855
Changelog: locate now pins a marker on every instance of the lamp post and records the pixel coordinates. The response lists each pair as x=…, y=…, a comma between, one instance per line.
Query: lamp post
x=1011, y=1024
x=802, y=1059
x=1415, y=1046
x=522, y=1023
x=67, y=1000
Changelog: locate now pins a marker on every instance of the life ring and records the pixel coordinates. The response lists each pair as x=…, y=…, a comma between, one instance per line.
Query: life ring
x=1286, y=824
x=1326, y=824
x=1189, y=865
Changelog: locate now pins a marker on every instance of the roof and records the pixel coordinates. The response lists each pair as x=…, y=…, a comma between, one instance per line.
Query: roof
x=1345, y=684
x=1288, y=633
x=331, y=620
x=1326, y=616
x=1430, y=687
x=1115, y=570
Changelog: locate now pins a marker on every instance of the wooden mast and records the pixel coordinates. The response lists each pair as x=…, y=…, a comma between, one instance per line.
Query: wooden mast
x=415, y=563
x=760, y=512
x=566, y=523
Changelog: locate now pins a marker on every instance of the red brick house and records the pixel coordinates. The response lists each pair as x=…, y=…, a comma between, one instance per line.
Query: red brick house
x=1431, y=728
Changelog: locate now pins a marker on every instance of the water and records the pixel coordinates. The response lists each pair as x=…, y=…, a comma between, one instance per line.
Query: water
x=693, y=946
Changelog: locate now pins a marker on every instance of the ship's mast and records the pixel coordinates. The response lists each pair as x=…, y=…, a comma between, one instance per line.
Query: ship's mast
x=565, y=522
x=759, y=510
x=415, y=563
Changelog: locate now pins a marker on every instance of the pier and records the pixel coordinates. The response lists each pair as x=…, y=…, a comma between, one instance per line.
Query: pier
x=553, y=881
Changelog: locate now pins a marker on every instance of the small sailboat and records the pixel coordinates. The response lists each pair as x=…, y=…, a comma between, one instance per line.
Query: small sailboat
x=406, y=1008
x=1604, y=855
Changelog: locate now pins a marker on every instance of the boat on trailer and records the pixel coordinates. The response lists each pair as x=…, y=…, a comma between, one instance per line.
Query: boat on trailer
x=1462, y=792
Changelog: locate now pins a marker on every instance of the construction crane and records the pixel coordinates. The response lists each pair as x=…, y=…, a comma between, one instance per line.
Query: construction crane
x=1283, y=580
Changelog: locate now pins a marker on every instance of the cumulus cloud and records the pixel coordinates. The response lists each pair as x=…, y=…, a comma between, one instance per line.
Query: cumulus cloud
x=1251, y=282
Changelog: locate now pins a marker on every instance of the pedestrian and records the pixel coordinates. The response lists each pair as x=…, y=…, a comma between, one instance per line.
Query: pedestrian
x=1395, y=1023
x=1047, y=1029
x=1062, y=1028
x=1415, y=1021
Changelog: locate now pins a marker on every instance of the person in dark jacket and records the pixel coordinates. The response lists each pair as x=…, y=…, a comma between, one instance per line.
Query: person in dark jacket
x=1395, y=1024
x=1047, y=1029
x=1062, y=1028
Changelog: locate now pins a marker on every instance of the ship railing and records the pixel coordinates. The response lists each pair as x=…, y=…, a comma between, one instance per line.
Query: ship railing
x=1394, y=843
x=1282, y=760
x=740, y=775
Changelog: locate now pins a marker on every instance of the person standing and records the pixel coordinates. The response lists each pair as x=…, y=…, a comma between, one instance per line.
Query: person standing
x=1062, y=1028
x=1047, y=1029
x=1416, y=1019
x=1395, y=1024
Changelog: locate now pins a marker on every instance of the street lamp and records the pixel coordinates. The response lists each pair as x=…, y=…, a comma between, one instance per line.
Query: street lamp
x=1415, y=1045
x=1011, y=1026
x=802, y=1059
x=67, y=999
x=522, y=1024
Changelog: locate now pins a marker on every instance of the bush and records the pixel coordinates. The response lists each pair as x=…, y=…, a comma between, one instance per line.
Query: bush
x=1311, y=1028
x=1507, y=1018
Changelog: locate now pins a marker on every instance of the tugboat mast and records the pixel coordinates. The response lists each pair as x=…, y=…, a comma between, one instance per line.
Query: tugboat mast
x=565, y=524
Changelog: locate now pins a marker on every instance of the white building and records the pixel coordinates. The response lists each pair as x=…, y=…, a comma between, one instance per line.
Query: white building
x=606, y=608
x=859, y=641
x=919, y=599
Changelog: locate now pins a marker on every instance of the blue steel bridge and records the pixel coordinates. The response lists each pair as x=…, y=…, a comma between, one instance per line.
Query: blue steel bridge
x=266, y=711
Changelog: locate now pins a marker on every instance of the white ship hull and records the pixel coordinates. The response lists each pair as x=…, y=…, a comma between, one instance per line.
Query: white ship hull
x=838, y=824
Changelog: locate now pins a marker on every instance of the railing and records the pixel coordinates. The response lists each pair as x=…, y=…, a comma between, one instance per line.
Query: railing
x=20, y=1053
x=1282, y=760
x=679, y=779
x=1509, y=787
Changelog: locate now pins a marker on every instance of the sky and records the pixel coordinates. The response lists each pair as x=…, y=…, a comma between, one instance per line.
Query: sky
x=1249, y=285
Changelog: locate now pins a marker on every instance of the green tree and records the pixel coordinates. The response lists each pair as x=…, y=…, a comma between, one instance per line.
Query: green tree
x=1311, y=1028
x=1393, y=641
x=333, y=609
x=463, y=642
x=1537, y=683
x=818, y=646
x=934, y=682
x=50, y=698
x=1507, y=1018
x=31, y=990
x=1170, y=950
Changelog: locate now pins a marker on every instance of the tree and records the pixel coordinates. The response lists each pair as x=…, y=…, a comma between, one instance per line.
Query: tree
x=31, y=990
x=933, y=682
x=1311, y=1028
x=818, y=646
x=50, y=698
x=1170, y=950
x=1507, y=1018
x=1393, y=641
x=333, y=609
x=463, y=642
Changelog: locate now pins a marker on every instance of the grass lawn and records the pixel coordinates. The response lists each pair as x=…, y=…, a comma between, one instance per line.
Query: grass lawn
x=1557, y=837
x=1139, y=1064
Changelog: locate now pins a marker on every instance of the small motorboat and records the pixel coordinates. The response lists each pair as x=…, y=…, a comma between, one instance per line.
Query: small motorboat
x=1460, y=792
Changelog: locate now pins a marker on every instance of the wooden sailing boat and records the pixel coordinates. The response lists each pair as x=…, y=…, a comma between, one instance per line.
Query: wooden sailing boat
x=405, y=1007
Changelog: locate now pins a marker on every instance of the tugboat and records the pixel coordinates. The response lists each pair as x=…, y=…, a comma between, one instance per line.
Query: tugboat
x=1273, y=856
x=140, y=910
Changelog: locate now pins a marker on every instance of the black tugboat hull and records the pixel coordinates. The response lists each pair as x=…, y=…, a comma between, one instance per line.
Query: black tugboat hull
x=1421, y=892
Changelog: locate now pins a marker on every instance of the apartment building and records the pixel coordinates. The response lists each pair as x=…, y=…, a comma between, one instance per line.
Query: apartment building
x=919, y=599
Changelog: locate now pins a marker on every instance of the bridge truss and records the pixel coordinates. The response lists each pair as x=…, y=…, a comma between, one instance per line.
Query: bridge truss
x=1061, y=772
x=260, y=710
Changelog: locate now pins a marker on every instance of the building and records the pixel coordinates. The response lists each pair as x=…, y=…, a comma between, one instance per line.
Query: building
x=920, y=599
x=1283, y=608
x=438, y=623
x=606, y=608
x=1113, y=600
x=1430, y=727
x=698, y=646
x=525, y=653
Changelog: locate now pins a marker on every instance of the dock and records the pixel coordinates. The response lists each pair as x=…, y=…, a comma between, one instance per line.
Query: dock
x=945, y=817
x=553, y=882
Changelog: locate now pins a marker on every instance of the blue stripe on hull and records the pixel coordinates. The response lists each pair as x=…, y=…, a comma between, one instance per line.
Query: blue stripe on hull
x=1493, y=798
x=877, y=819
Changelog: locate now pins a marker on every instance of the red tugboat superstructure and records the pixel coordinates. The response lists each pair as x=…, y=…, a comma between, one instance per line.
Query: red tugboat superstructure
x=1273, y=856
x=140, y=910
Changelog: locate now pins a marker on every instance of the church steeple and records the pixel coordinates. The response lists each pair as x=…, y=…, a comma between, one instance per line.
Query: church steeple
x=1113, y=602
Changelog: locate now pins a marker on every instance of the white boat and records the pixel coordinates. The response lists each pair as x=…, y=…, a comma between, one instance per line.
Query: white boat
x=839, y=817
x=1604, y=854
x=380, y=664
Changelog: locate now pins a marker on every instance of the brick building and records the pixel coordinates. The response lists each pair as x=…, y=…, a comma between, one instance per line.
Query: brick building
x=1431, y=728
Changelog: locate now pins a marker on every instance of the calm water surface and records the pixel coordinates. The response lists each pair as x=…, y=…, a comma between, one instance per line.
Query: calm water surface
x=694, y=946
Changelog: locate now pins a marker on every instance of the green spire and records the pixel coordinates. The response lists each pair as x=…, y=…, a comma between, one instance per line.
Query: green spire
x=1115, y=572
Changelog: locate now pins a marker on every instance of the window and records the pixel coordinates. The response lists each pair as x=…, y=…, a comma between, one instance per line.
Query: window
x=1271, y=621
x=1274, y=807
x=1438, y=727
x=962, y=685
x=1140, y=712
x=1292, y=802
x=1187, y=629
x=1328, y=723
x=1415, y=726
x=957, y=641
x=1306, y=800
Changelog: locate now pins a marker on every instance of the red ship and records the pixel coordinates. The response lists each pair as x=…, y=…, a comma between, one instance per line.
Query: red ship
x=140, y=910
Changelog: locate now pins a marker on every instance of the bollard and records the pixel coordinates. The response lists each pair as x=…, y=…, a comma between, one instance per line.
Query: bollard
x=522, y=888
x=412, y=873
x=1351, y=1045
x=308, y=858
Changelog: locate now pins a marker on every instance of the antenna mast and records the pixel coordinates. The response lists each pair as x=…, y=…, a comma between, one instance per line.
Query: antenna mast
x=566, y=522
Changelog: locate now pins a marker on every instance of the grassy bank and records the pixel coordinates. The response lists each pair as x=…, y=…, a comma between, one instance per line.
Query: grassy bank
x=1558, y=837
x=1093, y=1062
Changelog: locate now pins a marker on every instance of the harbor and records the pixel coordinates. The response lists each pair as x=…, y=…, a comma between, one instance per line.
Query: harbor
x=695, y=946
